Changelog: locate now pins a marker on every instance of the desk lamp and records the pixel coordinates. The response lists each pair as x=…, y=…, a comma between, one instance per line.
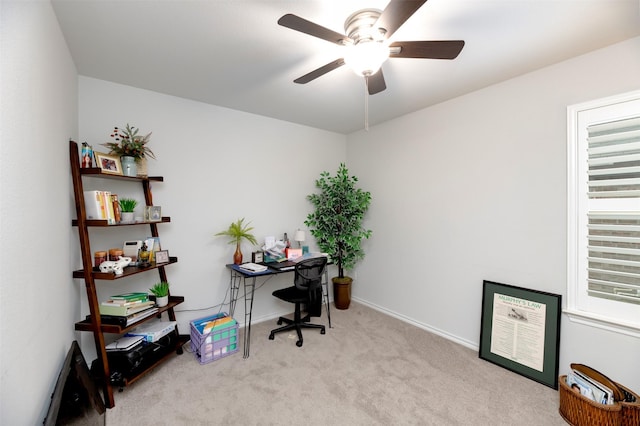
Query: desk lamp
x=299, y=237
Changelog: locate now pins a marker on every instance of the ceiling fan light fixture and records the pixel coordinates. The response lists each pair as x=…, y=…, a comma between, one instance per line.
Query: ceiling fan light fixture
x=366, y=57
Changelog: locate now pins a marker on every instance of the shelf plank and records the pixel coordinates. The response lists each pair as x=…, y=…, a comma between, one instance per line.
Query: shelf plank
x=97, y=172
x=87, y=325
x=127, y=272
x=101, y=223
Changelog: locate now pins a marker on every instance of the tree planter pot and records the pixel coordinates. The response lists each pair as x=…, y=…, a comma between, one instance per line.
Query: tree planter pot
x=342, y=292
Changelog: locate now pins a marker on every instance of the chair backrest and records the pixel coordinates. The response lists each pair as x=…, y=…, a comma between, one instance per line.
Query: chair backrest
x=309, y=273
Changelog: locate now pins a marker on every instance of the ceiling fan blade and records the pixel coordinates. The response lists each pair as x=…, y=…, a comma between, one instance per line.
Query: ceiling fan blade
x=375, y=83
x=299, y=24
x=319, y=72
x=445, y=49
x=396, y=13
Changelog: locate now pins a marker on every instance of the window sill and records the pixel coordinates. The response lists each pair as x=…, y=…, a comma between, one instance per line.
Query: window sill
x=603, y=323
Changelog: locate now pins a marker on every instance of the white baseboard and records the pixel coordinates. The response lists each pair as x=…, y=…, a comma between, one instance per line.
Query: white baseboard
x=426, y=327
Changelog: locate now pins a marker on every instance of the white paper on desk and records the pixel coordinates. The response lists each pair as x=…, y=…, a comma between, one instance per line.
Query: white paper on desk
x=252, y=267
x=269, y=242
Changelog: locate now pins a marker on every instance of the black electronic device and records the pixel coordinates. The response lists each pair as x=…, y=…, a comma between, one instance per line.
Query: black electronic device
x=127, y=363
x=286, y=265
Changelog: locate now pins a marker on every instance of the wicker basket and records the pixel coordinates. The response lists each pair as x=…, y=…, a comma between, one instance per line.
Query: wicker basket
x=578, y=410
x=141, y=164
x=630, y=410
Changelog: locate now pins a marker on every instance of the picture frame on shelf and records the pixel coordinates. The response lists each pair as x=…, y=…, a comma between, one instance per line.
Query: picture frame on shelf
x=153, y=214
x=520, y=331
x=162, y=256
x=108, y=163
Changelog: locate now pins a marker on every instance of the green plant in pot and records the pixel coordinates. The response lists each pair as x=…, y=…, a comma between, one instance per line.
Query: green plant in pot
x=131, y=148
x=161, y=291
x=238, y=231
x=336, y=223
x=127, y=206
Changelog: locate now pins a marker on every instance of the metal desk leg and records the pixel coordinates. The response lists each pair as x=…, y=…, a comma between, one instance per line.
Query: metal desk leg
x=326, y=294
x=248, y=308
x=234, y=287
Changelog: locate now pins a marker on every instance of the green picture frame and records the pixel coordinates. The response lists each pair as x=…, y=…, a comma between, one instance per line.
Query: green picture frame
x=520, y=331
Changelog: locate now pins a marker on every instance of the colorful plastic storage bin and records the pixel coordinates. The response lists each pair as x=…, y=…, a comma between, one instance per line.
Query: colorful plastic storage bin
x=214, y=337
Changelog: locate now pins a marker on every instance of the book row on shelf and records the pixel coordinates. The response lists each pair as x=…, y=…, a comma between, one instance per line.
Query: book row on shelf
x=106, y=205
x=102, y=205
x=127, y=309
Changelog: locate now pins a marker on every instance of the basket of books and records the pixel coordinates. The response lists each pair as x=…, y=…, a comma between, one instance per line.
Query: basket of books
x=588, y=397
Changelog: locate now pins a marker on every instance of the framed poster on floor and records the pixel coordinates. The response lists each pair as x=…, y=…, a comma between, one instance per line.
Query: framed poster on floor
x=520, y=331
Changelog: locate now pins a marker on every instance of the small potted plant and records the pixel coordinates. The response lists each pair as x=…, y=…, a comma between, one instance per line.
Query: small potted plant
x=237, y=232
x=132, y=149
x=161, y=291
x=127, y=205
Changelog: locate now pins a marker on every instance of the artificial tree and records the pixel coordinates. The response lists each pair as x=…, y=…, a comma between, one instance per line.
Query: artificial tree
x=337, y=225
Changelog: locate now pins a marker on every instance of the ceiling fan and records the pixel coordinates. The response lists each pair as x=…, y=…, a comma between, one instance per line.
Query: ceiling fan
x=366, y=40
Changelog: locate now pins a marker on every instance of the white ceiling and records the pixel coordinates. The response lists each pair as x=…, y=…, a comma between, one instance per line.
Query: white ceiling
x=232, y=53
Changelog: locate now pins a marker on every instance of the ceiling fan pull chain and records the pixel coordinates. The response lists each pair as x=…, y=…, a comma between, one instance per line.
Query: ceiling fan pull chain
x=366, y=103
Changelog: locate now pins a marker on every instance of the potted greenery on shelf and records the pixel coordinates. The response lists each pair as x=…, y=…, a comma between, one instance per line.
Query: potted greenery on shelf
x=237, y=232
x=161, y=291
x=127, y=206
x=131, y=148
x=336, y=223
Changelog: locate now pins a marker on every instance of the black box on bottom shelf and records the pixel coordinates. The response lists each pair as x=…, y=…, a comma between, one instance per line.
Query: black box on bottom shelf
x=124, y=364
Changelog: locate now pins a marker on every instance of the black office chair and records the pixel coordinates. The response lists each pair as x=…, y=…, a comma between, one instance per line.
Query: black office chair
x=306, y=291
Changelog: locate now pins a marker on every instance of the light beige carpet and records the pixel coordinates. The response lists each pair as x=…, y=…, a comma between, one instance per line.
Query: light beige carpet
x=368, y=369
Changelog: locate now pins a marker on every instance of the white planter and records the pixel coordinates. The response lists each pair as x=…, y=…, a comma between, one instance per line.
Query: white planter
x=162, y=301
x=126, y=217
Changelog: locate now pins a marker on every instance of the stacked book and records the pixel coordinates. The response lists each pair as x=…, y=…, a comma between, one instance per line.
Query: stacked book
x=126, y=309
x=102, y=205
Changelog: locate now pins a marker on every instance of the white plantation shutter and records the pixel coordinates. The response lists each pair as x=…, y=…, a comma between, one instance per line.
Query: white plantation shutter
x=614, y=184
x=614, y=159
x=603, y=271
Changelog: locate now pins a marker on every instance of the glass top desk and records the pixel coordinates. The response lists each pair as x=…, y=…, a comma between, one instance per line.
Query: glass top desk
x=248, y=280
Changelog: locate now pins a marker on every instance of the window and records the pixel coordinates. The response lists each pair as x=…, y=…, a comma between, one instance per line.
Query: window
x=603, y=271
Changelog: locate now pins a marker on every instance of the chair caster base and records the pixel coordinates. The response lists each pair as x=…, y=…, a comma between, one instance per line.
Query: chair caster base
x=272, y=336
x=299, y=343
x=322, y=331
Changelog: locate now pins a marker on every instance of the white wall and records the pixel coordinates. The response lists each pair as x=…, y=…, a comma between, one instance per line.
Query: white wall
x=218, y=165
x=38, y=300
x=475, y=189
x=471, y=189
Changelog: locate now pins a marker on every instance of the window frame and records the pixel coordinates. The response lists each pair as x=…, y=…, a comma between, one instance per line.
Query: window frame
x=611, y=315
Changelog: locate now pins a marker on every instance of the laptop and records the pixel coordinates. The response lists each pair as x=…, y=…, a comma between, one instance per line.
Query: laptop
x=285, y=265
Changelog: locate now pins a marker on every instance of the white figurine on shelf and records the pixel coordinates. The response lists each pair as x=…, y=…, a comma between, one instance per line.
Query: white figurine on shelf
x=117, y=267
